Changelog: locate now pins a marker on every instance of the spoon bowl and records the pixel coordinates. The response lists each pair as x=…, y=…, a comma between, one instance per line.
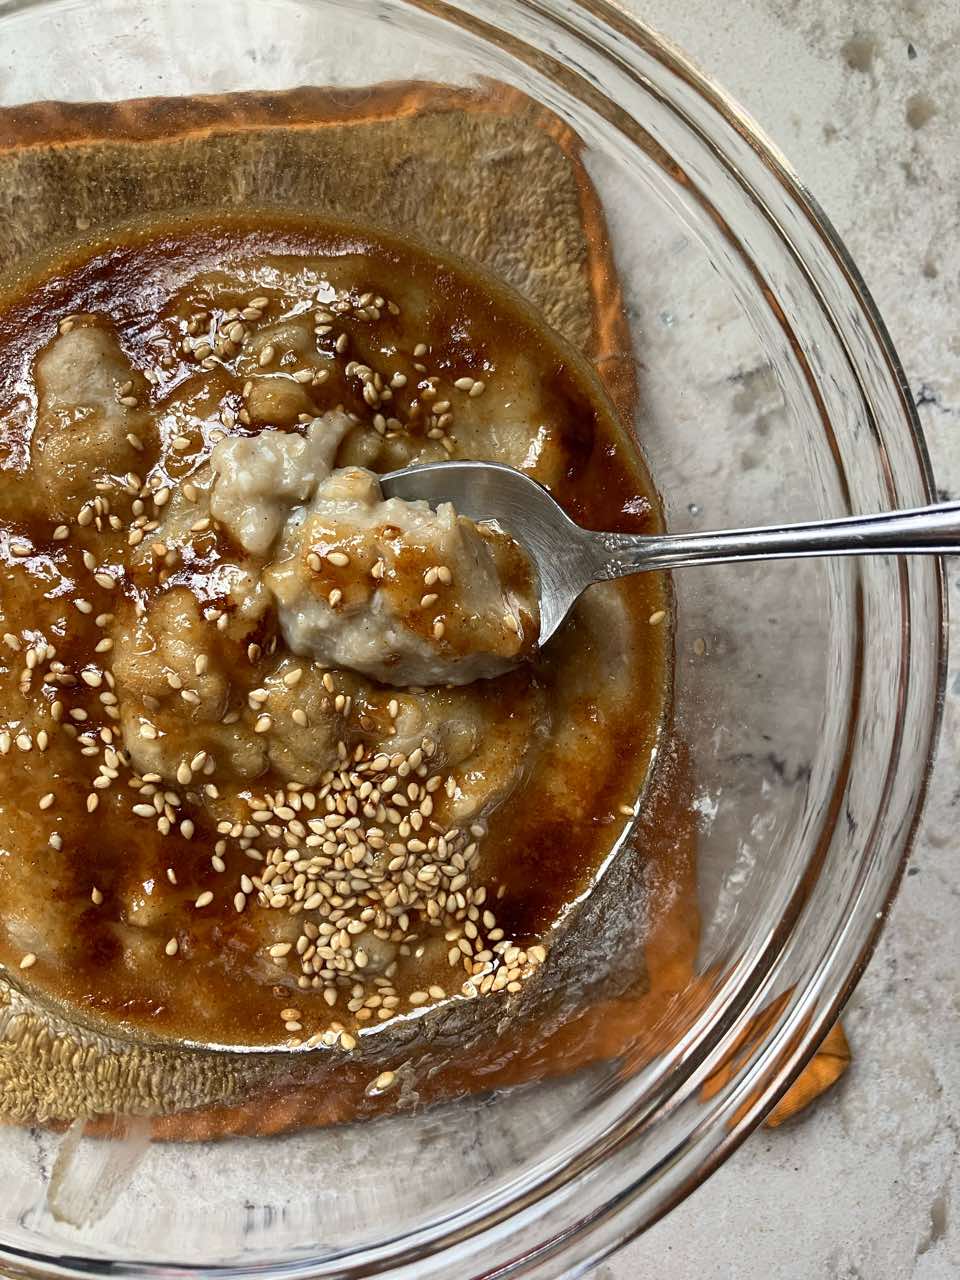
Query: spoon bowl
x=564, y=555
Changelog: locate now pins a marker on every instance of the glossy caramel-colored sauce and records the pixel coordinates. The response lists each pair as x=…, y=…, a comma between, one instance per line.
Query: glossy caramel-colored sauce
x=93, y=892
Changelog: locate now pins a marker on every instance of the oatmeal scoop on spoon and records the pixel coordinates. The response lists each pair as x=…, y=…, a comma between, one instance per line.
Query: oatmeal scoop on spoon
x=569, y=558
x=387, y=587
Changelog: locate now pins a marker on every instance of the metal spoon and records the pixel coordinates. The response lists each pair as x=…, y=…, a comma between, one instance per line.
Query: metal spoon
x=569, y=558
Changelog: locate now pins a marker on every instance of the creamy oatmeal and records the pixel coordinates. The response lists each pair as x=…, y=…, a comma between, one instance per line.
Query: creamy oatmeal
x=281, y=760
x=385, y=587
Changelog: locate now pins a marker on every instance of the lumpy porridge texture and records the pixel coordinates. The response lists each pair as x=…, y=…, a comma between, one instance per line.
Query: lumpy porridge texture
x=281, y=760
x=389, y=588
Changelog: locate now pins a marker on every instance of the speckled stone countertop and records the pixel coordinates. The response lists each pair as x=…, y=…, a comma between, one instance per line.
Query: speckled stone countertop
x=861, y=97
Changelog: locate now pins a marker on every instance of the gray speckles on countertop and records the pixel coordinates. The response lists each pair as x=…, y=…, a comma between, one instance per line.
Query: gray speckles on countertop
x=866, y=1186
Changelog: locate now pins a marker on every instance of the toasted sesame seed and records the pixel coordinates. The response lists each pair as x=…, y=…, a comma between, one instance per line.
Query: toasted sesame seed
x=28, y=961
x=657, y=616
x=267, y=354
x=96, y=897
x=172, y=947
x=339, y=558
x=204, y=899
x=383, y=1082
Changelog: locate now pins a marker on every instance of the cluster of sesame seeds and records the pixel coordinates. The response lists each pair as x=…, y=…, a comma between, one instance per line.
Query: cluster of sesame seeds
x=368, y=871
x=125, y=395
x=210, y=339
x=367, y=306
x=435, y=415
x=472, y=386
x=376, y=392
x=41, y=665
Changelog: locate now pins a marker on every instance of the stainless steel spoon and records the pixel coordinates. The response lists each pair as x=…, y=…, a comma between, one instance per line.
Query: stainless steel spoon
x=569, y=558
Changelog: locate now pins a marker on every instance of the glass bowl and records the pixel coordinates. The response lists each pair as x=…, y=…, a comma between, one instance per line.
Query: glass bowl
x=807, y=694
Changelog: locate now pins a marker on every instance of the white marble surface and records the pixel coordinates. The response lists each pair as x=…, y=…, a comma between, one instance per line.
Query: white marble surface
x=861, y=97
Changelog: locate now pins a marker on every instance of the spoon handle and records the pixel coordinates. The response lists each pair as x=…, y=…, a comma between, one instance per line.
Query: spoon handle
x=931, y=530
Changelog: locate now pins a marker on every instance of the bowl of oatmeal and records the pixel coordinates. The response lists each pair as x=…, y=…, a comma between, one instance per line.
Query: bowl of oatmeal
x=267, y=727
x=344, y=929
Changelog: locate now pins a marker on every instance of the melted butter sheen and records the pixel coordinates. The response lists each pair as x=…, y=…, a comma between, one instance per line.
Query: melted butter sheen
x=162, y=748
